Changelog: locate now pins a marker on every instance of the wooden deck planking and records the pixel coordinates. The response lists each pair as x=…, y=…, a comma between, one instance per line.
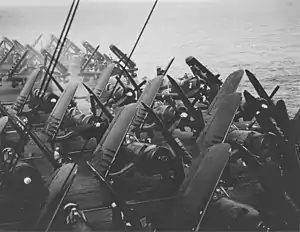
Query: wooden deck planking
x=88, y=192
x=85, y=191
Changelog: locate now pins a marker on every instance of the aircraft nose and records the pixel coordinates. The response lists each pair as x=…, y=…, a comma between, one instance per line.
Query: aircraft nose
x=26, y=180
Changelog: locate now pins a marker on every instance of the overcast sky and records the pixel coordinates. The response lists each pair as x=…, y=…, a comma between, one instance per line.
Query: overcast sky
x=68, y=2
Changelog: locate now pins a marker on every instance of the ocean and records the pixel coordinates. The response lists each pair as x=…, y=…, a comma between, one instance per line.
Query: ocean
x=225, y=35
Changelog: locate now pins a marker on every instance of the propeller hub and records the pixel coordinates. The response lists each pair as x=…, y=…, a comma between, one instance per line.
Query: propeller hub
x=53, y=100
x=27, y=180
x=183, y=115
x=264, y=106
x=24, y=120
x=129, y=94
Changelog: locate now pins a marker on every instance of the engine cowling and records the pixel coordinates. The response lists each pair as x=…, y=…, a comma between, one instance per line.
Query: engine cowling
x=151, y=159
x=26, y=179
x=22, y=179
x=127, y=93
x=165, y=112
x=86, y=125
x=249, y=110
x=181, y=108
x=262, y=145
x=87, y=119
x=81, y=119
x=46, y=103
x=51, y=98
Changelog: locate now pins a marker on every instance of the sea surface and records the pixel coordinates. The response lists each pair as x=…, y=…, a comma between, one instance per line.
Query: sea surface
x=225, y=35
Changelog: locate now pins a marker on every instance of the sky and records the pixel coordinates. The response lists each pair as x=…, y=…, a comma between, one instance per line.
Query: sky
x=68, y=2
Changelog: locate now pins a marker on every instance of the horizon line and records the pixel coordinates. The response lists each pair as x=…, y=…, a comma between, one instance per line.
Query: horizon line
x=29, y=3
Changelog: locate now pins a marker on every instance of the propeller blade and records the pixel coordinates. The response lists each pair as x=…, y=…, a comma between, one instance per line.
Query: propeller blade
x=89, y=59
x=281, y=116
x=132, y=81
x=168, y=66
x=257, y=86
x=37, y=40
x=61, y=89
x=103, y=108
x=274, y=91
x=195, y=114
x=141, y=84
x=90, y=48
x=120, y=82
x=174, y=144
x=249, y=97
